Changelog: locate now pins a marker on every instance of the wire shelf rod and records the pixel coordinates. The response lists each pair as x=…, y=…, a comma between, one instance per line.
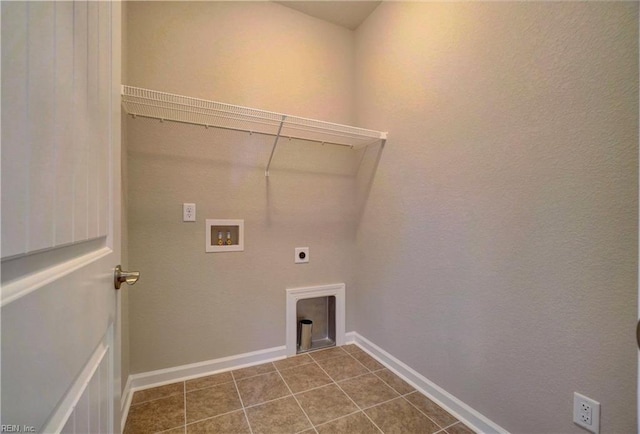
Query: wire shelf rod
x=275, y=143
x=199, y=113
x=242, y=130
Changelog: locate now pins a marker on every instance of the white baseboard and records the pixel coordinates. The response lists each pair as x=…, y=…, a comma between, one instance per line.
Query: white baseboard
x=161, y=377
x=453, y=405
x=350, y=338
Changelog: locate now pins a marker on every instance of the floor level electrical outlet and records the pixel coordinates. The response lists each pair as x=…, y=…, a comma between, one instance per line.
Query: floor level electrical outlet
x=188, y=212
x=586, y=413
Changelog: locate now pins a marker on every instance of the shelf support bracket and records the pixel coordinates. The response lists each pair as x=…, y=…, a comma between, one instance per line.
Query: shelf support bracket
x=275, y=143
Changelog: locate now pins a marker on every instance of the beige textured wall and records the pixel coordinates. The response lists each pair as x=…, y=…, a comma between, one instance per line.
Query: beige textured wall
x=190, y=306
x=255, y=54
x=498, y=247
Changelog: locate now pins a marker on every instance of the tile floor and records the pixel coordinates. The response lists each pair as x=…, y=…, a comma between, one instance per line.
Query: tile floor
x=338, y=390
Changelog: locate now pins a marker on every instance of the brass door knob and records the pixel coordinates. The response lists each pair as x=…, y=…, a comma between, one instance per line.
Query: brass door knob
x=120, y=277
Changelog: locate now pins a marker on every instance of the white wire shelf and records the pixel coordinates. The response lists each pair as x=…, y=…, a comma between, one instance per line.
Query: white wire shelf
x=166, y=106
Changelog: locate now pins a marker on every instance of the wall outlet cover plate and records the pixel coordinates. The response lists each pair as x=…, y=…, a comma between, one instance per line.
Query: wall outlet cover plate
x=586, y=413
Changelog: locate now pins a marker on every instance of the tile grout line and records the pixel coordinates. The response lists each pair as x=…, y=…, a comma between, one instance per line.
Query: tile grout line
x=252, y=376
x=383, y=380
x=444, y=430
x=171, y=429
x=422, y=412
x=330, y=357
x=354, y=403
x=341, y=417
x=244, y=410
x=380, y=403
x=357, y=376
x=213, y=417
x=354, y=358
x=297, y=402
x=267, y=402
x=209, y=387
x=156, y=399
x=363, y=365
x=296, y=366
x=453, y=424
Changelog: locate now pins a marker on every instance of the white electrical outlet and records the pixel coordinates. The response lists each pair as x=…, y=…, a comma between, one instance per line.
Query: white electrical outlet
x=188, y=212
x=586, y=413
x=302, y=255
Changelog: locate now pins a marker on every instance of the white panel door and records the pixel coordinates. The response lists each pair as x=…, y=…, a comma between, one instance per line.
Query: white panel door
x=60, y=147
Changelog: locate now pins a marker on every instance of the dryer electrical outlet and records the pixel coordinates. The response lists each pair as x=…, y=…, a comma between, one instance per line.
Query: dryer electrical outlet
x=301, y=255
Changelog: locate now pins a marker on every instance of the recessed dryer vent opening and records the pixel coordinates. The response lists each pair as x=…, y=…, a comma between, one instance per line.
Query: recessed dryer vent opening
x=321, y=311
x=325, y=307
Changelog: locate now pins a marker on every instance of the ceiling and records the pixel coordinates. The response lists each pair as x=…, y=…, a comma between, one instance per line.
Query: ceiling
x=349, y=14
